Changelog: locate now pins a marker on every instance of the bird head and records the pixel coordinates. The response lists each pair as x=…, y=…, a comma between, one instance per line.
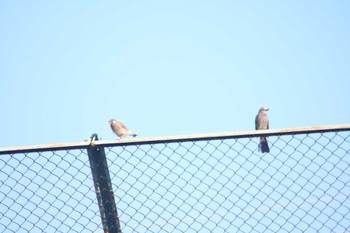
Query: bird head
x=111, y=121
x=263, y=109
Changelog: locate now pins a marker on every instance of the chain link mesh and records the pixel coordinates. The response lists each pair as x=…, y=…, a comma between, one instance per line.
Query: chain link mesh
x=47, y=192
x=223, y=185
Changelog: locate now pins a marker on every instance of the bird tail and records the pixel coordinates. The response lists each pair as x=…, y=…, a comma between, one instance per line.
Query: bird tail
x=264, y=146
x=132, y=134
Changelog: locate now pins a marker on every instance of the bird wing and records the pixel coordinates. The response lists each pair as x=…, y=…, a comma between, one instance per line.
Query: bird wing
x=121, y=125
x=257, y=122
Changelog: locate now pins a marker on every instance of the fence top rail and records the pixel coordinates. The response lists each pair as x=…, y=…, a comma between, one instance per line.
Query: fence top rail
x=157, y=140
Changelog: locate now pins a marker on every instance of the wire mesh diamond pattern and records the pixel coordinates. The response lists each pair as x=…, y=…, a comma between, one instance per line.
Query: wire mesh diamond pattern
x=47, y=192
x=212, y=185
x=228, y=186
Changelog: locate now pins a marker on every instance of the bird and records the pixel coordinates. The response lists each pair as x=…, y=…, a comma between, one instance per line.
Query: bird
x=120, y=129
x=261, y=123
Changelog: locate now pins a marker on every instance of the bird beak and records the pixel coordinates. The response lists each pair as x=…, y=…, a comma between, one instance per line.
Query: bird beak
x=267, y=109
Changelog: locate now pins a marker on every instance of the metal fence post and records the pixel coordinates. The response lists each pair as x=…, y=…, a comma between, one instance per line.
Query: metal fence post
x=103, y=187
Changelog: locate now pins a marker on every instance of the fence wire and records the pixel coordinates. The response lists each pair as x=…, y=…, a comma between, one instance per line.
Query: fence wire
x=215, y=185
x=47, y=192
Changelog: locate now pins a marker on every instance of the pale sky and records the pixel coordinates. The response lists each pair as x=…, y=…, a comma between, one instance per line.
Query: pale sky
x=168, y=68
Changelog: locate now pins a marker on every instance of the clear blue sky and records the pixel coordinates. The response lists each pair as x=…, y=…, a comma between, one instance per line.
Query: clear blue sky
x=169, y=67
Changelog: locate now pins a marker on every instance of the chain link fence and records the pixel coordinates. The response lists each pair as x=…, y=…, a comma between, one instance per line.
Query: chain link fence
x=47, y=192
x=205, y=184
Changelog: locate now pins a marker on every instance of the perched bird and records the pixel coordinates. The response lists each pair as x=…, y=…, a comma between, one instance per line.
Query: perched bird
x=120, y=129
x=261, y=123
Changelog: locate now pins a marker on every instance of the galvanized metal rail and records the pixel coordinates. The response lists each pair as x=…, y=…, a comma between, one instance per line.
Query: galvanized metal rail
x=157, y=140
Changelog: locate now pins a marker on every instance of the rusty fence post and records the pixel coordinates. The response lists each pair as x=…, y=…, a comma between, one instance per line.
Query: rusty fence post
x=103, y=187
